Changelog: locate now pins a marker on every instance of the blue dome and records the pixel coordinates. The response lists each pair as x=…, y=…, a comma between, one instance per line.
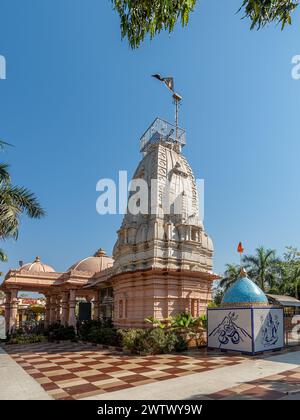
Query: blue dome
x=244, y=291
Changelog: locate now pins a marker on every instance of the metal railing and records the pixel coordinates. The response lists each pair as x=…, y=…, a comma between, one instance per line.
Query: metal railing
x=162, y=131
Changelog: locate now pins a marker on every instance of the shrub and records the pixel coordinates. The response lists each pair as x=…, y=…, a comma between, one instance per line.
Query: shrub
x=151, y=341
x=189, y=330
x=85, y=328
x=26, y=338
x=181, y=343
x=131, y=339
x=104, y=335
x=57, y=332
x=100, y=332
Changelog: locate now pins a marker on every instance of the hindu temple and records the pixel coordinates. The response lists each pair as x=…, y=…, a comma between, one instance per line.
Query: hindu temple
x=162, y=261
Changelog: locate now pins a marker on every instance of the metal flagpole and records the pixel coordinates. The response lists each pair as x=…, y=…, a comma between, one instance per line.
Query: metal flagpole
x=176, y=117
x=169, y=82
x=177, y=98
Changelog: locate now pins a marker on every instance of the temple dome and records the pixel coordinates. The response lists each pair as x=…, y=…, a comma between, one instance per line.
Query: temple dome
x=98, y=262
x=37, y=267
x=244, y=291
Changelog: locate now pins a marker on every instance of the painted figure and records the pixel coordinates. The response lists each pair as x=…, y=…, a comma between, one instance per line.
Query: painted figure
x=228, y=330
x=269, y=330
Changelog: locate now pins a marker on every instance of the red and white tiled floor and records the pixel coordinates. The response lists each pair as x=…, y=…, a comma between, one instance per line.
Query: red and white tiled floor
x=274, y=387
x=74, y=370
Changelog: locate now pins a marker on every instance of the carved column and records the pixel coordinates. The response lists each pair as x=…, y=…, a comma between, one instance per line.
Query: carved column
x=7, y=310
x=47, y=315
x=96, y=306
x=64, y=305
x=52, y=309
x=72, y=304
x=13, y=310
x=58, y=307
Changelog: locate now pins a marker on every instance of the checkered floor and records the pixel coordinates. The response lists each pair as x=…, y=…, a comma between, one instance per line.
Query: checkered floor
x=75, y=370
x=273, y=387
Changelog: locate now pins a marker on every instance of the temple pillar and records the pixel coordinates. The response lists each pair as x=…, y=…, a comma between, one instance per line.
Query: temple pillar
x=47, y=315
x=96, y=306
x=13, y=321
x=58, y=306
x=72, y=304
x=64, y=305
x=7, y=310
x=52, y=309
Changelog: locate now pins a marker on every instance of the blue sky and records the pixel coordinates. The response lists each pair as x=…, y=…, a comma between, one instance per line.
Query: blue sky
x=77, y=99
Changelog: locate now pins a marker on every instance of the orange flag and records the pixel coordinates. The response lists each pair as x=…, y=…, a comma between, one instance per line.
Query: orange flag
x=240, y=248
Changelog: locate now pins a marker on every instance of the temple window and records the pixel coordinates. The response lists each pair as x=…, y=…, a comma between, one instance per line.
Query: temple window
x=194, y=235
x=120, y=308
x=194, y=307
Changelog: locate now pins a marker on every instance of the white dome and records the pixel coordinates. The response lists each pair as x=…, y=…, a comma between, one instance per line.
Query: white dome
x=37, y=267
x=98, y=262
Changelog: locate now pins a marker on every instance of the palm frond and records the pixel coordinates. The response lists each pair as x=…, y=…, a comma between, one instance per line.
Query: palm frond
x=3, y=256
x=22, y=199
x=3, y=144
x=4, y=174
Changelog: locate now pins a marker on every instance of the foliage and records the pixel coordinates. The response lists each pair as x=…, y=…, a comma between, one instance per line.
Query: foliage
x=104, y=335
x=141, y=17
x=289, y=279
x=182, y=320
x=14, y=201
x=272, y=274
x=100, y=332
x=131, y=339
x=231, y=275
x=85, y=327
x=263, y=267
x=58, y=332
x=262, y=12
x=21, y=337
x=152, y=341
x=217, y=298
x=187, y=328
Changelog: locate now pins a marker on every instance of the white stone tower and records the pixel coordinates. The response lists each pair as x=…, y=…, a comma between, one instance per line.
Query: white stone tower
x=163, y=257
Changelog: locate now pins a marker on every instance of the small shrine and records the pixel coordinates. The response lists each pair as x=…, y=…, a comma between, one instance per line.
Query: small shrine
x=245, y=322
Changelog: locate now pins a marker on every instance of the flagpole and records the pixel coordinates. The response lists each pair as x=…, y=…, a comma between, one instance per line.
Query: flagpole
x=240, y=250
x=169, y=82
x=176, y=115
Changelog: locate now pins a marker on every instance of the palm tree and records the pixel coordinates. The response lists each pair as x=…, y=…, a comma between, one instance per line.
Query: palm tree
x=263, y=267
x=14, y=201
x=290, y=281
x=232, y=273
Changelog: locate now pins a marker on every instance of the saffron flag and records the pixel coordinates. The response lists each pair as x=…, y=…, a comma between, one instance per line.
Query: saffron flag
x=240, y=248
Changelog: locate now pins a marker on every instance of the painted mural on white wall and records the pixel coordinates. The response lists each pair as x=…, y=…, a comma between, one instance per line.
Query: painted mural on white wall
x=248, y=330
x=230, y=329
x=268, y=329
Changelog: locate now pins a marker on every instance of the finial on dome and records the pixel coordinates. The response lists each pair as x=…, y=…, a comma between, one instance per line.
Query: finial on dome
x=37, y=259
x=243, y=272
x=100, y=253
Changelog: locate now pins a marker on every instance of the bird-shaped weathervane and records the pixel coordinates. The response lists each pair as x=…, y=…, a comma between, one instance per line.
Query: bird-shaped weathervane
x=169, y=82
